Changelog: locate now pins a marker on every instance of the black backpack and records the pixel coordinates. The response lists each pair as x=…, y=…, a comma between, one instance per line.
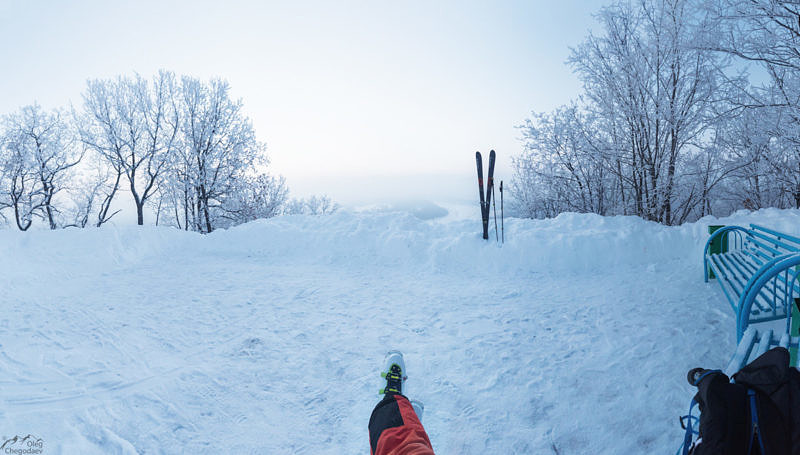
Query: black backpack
x=756, y=413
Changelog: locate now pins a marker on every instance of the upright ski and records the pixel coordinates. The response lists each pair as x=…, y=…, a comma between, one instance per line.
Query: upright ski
x=490, y=182
x=484, y=204
x=490, y=190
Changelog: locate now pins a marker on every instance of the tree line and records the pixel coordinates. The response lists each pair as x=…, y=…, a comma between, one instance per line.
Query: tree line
x=180, y=146
x=689, y=108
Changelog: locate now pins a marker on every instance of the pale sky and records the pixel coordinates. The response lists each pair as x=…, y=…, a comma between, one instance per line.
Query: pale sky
x=364, y=101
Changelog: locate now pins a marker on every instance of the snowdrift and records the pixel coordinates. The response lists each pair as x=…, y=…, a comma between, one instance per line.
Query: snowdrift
x=568, y=243
x=572, y=337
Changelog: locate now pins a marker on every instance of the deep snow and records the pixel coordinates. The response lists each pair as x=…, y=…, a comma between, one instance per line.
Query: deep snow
x=573, y=337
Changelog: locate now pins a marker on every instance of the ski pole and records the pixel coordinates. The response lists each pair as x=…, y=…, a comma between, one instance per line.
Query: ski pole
x=494, y=207
x=489, y=187
x=502, y=223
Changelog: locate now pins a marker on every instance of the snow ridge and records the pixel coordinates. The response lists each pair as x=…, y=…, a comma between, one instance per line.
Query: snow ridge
x=127, y=339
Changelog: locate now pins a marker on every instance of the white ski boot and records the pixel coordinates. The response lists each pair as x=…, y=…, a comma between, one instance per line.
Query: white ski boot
x=394, y=371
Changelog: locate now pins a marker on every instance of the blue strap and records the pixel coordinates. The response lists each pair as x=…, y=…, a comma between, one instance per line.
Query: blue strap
x=754, y=424
x=690, y=419
x=704, y=375
x=690, y=431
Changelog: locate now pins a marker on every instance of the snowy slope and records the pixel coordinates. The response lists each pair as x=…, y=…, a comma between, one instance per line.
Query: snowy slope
x=574, y=337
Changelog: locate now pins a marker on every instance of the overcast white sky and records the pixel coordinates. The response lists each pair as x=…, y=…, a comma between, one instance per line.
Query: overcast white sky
x=364, y=101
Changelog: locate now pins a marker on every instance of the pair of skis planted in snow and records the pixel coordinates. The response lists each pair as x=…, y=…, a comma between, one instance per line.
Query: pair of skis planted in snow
x=486, y=199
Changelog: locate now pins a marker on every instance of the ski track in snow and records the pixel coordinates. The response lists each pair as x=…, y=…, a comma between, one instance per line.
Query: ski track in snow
x=208, y=351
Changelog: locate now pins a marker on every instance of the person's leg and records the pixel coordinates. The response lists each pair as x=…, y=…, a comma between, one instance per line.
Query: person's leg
x=395, y=429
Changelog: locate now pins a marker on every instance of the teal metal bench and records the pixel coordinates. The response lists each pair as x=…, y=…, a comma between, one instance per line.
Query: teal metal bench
x=757, y=269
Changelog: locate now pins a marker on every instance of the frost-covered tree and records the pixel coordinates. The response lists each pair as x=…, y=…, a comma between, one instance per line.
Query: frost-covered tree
x=185, y=148
x=744, y=141
x=133, y=124
x=312, y=205
x=261, y=196
x=94, y=192
x=766, y=33
x=651, y=85
x=218, y=149
x=634, y=143
x=37, y=157
x=562, y=166
x=294, y=206
x=321, y=205
x=20, y=191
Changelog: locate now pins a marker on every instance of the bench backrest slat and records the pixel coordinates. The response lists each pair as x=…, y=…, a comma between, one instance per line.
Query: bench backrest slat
x=776, y=243
x=781, y=235
x=767, y=247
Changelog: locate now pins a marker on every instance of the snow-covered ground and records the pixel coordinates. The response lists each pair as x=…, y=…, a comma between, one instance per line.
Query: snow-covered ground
x=574, y=337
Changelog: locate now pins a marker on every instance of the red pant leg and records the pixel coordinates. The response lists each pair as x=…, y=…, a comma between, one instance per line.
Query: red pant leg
x=395, y=429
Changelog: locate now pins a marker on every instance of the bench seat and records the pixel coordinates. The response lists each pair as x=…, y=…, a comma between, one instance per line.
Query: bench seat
x=757, y=269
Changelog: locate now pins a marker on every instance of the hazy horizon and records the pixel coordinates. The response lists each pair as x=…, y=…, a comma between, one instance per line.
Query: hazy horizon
x=396, y=95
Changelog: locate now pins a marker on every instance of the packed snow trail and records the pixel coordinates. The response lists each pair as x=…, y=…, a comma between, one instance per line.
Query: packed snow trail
x=268, y=338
